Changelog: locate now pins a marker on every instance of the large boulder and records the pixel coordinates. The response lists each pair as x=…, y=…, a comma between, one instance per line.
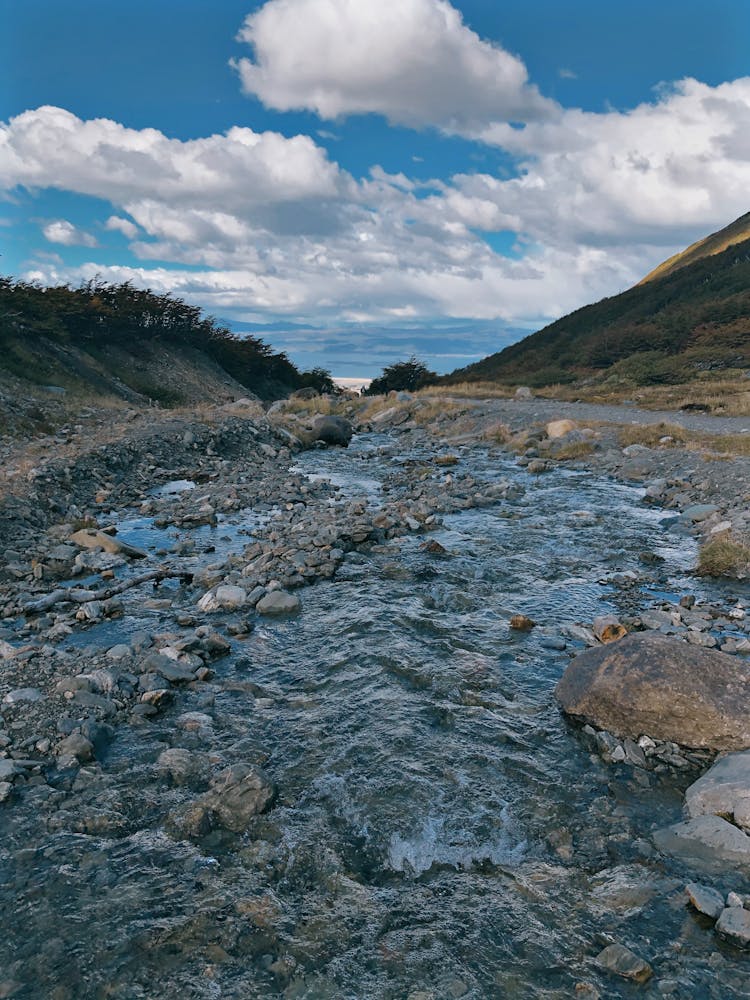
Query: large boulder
x=669, y=690
x=332, y=430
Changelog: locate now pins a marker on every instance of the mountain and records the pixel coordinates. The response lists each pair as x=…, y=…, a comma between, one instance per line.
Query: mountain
x=689, y=315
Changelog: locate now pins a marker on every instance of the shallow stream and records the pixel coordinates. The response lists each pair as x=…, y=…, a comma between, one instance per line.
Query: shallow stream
x=440, y=830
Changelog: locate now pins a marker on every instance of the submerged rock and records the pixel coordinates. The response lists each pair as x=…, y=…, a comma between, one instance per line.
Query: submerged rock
x=647, y=683
x=623, y=962
x=237, y=795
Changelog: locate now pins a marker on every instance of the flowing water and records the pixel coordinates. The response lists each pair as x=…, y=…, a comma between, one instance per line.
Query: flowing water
x=440, y=830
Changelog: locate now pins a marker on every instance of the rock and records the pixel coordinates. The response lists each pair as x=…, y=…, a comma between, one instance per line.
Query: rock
x=7, y=651
x=23, y=694
x=89, y=538
x=523, y=392
x=76, y=746
x=183, y=766
x=706, y=838
x=623, y=962
x=647, y=683
x=230, y=597
x=119, y=652
x=278, y=602
x=734, y=924
x=607, y=629
x=705, y=900
x=559, y=428
x=734, y=899
x=333, y=430
x=8, y=769
x=724, y=790
x=698, y=512
x=237, y=795
x=522, y=623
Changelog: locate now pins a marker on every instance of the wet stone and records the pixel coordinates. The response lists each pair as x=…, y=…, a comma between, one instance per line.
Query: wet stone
x=623, y=962
x=705, y=900
x=734, y=925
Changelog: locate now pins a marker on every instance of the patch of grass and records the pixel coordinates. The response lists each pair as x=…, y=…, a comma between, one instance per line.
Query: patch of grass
x=497, y=433
x=321, y=405
x=574, y=449
x=650, y=435
x=726, y=555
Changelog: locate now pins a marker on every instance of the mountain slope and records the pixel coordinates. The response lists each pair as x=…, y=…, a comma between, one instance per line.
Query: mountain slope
x=693, y=317
x=735, y=232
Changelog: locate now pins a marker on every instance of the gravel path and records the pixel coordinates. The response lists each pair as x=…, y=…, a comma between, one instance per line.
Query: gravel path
x=530, y=410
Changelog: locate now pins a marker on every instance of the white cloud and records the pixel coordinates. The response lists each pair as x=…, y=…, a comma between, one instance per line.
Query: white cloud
x=271, y=227
x=119, y=225
x=64, y=232
x=414, y=61
x=660, y=174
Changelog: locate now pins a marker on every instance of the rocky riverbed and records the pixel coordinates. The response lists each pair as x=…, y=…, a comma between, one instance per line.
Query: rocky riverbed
x=280, y=720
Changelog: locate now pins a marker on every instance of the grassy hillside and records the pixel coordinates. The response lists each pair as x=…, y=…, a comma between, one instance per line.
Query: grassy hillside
x=693, y=318
x=736, y=232
x=117, y=340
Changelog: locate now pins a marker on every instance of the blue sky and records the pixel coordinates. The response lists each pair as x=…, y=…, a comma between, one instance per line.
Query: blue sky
x=363, y=180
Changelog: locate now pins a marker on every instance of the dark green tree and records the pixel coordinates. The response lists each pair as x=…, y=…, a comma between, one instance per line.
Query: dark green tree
x=407, y=376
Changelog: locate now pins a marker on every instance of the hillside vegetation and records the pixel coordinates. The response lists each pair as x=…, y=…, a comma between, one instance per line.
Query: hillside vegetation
x=692, y=318
x=117, y=340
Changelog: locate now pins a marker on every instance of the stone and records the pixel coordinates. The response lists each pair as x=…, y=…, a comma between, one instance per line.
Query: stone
x=119, y=652
x=8, y=769
x=723, y=790
x=76, y=746
x=278, y=602
x=608, y=629
x=704, y=899
x=89, y=538
x=230, y=597
x=706, y=838
x=238, y=794
x=521, y=623
x=23, y=694
x=734, y=925
x=523, y=392
x=648, y=683
x=623, y=962
x=183, y=766
x=698, y=512
x=333, y=430
x=559, y=428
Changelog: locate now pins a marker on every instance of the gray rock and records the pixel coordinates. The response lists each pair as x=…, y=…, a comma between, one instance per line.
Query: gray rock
x=237, y=795
x=278, y=602
x=23, y=694
x=332, y=430
x=8, y=769
x=698, y=512
x=523, y=392
x=707, y=838
x=183, y=766
x=76, y=746
x=647, y=683
x=623, y=962
x=734, y=924
x=724, y=790
x=704, y=899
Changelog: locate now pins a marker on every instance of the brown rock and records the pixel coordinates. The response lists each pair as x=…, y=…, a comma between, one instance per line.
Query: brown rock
x=607, y=629
x=661, y=687
x=237, y=795
x=522, y=623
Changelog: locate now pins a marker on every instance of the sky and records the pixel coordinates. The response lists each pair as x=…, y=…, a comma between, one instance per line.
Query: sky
x=357, y=181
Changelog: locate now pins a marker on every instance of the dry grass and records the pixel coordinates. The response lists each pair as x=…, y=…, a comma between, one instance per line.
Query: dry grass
x=319, y=405
x=497, y=433
x=469, y=390
x=714, y=446
x=651, y=435
x=574, y=449
x=726, y=555
x=728, y=397
x=429, y=412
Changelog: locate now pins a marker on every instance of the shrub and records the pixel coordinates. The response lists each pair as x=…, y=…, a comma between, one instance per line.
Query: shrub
x=406, y=376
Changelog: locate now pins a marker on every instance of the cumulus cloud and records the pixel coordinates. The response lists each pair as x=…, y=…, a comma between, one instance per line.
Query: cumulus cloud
x=413, y=61
x=64, y=232
x=659, y=174
x=119, y=225
x=256, y=225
